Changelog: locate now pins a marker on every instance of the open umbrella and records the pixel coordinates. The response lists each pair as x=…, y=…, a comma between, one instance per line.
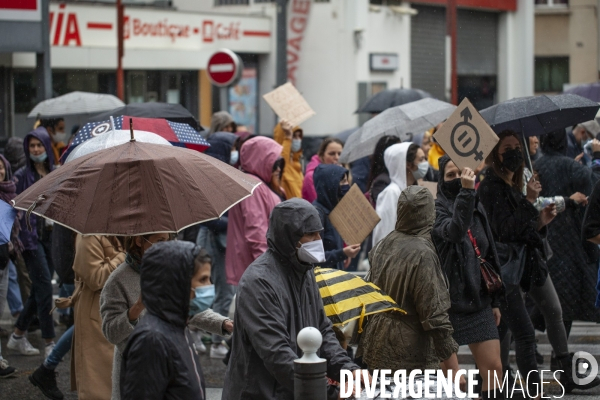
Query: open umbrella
x=7, y=219
x=391, y=98
x=402, y=121
x=170, y=112
x=590, y=91
x=345, y=134
x=178, y=134
x=75, y=103
x=137, y=188
x=347, y=297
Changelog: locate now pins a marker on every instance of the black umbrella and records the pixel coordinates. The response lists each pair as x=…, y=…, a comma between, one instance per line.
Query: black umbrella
x=391, y=98
x=170, y=112
x=590, y=91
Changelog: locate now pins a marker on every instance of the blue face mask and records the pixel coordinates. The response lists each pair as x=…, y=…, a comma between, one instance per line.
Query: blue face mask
x=205, y=295
x=235, y=157
x=296, y=145
x=38, y=159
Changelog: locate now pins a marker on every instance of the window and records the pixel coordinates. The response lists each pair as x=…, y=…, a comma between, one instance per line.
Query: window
x=231, y=2
x=551, y=73
x=552, y=3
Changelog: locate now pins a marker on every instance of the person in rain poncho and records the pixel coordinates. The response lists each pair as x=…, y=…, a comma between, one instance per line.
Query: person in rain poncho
x=329, y=153
x=277, y=297
x=406, y=164
x=291, y=139
x=249, y=219
x=331, y=182
x=405, y=265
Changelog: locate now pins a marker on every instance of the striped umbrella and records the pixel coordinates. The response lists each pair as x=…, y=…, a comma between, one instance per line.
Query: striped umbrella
x=347, y=297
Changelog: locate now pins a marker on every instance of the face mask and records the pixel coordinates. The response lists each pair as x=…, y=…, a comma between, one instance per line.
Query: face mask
x=343, y=190
x=235, y=157
x=38, y=159
x=452, y=188
x=420, y=173
x=60, y=137
x=512, y=159
x=296, y=145
x=312, y=252
x=205, y=295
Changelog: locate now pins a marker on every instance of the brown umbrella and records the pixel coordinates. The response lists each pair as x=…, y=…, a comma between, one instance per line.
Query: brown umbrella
x=137, y=188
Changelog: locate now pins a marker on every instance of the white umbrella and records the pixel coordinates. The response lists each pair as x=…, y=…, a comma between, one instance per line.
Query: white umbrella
x=75, y=103
x=400, y=121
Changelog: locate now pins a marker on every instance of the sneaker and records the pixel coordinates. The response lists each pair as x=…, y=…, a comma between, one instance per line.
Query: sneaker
x=5, y=369
x=45, y=380
x=22, y=345
x=48, y=349
x=200, y=347
x=218, y=351
x=197, y=336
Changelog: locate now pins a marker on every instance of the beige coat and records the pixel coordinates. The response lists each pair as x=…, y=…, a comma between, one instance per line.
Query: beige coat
x=91, y=354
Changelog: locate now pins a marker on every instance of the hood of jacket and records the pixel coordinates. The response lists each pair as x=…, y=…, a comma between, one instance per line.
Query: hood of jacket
x=327, y=180
x=258, y=155
x=443, y=161
x=416, y=211
x=166, y=280
x=219, y=121
x=554, y=143
x=41, y=134
x=289, y=221
x=221, y=144
x=395, y=161
x=279, y=134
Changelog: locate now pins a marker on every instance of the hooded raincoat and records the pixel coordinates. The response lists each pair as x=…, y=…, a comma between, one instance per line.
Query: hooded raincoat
x=405, y=265
x=308, y=186
x=277, y=297
x=387, y=201
x=292, y=174
x=160, y=361
x=327, y=182
x=249, y=219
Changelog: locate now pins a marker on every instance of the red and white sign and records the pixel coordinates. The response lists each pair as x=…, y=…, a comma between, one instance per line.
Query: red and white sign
x=20, y=10
x=224, y=68
x=384, y=62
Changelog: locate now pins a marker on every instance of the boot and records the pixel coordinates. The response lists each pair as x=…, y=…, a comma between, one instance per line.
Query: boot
x=45, y=380
x=565, y=364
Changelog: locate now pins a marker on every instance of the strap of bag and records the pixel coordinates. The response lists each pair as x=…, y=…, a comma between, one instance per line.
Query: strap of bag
x=474, y=243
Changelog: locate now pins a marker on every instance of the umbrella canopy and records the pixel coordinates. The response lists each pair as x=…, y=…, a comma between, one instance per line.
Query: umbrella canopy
x=7, y=219
x=536, y=115
x=590, y=91
x=391, y=98
x=112, y=139
x=402, y=121
x=75, y=103
x=170, y=112
x=137, y=188
x=347, y=297
x=178, y=134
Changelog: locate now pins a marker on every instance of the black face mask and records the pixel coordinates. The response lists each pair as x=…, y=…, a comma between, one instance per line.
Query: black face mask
x=343, y=190
x=512, y=159
x=451, y=188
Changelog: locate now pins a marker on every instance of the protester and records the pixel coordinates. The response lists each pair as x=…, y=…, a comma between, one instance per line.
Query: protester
x=406, y=164
x=517, y=228
x=459, y=216
x=248, y=220
x=221, y=121
x=435, y=151
x=534, y=144
x=277, y=297
x=56, y=129
x=63, y=255
x=576, y=139
x=329, y=153
x=36, y=236
x=290, y=138
x=331, y=183
x=406, y=267
x=424, y=141
x=591, y=227
x=379, y=176
x=13, y=152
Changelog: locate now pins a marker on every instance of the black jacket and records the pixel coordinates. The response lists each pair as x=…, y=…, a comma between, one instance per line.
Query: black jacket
x=160, y=361
x=327, y=180
x=454, y=217
x=63, y=253
x=277, y=297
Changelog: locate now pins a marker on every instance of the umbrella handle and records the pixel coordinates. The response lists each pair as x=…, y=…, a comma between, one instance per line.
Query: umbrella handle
x=525, y=140
x=30, y=210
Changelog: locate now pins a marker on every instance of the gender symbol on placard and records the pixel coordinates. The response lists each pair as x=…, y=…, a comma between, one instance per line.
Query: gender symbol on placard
x=465, y=137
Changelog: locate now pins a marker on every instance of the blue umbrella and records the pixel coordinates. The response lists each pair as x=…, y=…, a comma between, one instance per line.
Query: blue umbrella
x=7, y=219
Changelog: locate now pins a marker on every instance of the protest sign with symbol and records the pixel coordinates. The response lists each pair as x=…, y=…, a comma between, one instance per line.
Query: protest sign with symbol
x=466, y=137
x=288, y=104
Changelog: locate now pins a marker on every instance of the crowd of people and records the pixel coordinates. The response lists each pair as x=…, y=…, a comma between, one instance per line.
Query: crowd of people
x=493, y=255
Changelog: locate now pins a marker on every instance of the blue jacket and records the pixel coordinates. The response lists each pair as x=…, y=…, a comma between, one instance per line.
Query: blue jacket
x=327, y=180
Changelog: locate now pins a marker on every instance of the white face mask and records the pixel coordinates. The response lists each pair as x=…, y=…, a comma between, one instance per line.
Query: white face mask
x=296, y=145
x=60, y=137
x=420, y=173
x=235, y=156
x=312, y=252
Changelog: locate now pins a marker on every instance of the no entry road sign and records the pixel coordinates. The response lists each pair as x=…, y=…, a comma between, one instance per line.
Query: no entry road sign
x=224, y=68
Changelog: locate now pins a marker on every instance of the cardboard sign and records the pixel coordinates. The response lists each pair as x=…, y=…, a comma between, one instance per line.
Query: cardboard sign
x=288, y=104
x=353, y=217
x=466, y=137
x=431, y=186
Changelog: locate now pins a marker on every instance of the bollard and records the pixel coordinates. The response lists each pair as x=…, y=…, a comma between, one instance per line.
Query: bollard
x=310, y=379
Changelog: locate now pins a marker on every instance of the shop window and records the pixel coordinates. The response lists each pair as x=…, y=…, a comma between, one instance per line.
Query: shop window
x=552, y=3
x=551, y=73
x=25, y=91
x=232, y=2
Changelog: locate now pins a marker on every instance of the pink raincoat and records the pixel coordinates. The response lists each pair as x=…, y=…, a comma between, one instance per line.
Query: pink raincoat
x=308, y=186
x=249, y=219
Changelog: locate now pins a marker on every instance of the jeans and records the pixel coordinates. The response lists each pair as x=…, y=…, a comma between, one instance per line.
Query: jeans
x=15, y=303
x=516, y=318
x=60, y=350
x=66, y=290
x=40, y=298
